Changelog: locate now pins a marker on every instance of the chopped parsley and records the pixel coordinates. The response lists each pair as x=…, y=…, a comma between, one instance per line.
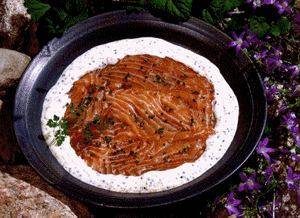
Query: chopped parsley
x=63, y=127
x=152, y=116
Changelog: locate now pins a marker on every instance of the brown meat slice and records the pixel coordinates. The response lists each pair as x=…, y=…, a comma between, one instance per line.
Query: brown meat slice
x=144, y=113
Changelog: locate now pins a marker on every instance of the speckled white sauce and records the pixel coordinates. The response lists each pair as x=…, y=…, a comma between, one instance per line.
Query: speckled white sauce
x=226, y=110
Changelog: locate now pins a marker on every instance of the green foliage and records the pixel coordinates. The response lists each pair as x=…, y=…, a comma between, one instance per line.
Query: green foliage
x=268, y=130
x=136, y=6
x=60, y=19
x=62, y=131
x=61, y=125
x=283, y=25
x=248, y=170
x=216, y=12
x=55, y=17
x=259, y=24
x=36, y=9
x=175, y=9
x=207, y=16
x=276, y=28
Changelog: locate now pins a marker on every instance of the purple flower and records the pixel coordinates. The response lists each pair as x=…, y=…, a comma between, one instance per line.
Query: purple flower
x=261, y=55
x=296, y=91
x=252, y=38
x=239, y=43
x=294, y=155
x=283, y=108
x=268, y=173
x=274, y=63
x=249, y=183
x=262, y=149
x=231, y=204
x=297, y=20
x=290, y=179
x=296, y=88
x=269, y=208
x=270, y=91
x=283, y=6
x=276, y=51
x=269, y=2
x=292, y=122
x=256, y=3
x=296, y=135
x=295, y=69
x=294, y=85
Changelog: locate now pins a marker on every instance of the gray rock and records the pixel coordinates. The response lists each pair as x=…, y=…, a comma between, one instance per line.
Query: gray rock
x=14, y=22
x=12, y=66
x=25, y=194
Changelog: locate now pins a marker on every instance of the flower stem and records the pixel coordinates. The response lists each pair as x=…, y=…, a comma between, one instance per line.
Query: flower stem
x=256, y=202
x=274, y=198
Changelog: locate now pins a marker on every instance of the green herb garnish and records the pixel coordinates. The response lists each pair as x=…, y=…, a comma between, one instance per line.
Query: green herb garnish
x=63, y=127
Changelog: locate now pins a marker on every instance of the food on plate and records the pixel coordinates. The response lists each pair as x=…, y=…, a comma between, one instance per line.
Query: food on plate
x=117, y=99
x=143, y=113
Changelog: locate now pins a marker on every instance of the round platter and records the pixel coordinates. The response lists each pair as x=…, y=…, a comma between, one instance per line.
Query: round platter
x=197, y=36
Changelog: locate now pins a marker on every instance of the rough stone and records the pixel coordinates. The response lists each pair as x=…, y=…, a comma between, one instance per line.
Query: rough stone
x=25, y=194
x=14, y=21
x=17, y=29
x=12, y=66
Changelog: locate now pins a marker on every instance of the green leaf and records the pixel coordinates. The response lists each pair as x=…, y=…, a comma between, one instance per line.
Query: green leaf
x=61, y=13
x=137, y=6
x=284, y=25
x=268, y=129
x=228, y=5
x=231, y=4
x=51, y=123
x=180, y=8
x=62, y=132
x=157, y=5
x=176, y=9
x=77, y=12
x=218, y=7
x=36, y=9
x=56, y=118
x=234, y=24
x=76, y=6
x=258, y=24
x=70, y=21
x=207, y=16
x=248, y=170
x=275, y=30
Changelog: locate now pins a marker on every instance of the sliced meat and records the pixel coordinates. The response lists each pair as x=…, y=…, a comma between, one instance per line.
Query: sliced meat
x=144, y=113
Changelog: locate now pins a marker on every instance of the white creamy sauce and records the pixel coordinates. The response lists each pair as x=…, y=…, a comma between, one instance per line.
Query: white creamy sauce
x=226, y=110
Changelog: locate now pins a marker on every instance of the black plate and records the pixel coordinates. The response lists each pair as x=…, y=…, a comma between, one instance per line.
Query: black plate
x=44, y=70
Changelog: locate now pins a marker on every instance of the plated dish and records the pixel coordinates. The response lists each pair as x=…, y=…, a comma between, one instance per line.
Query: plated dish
x=195, y=36
x=149, y=137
